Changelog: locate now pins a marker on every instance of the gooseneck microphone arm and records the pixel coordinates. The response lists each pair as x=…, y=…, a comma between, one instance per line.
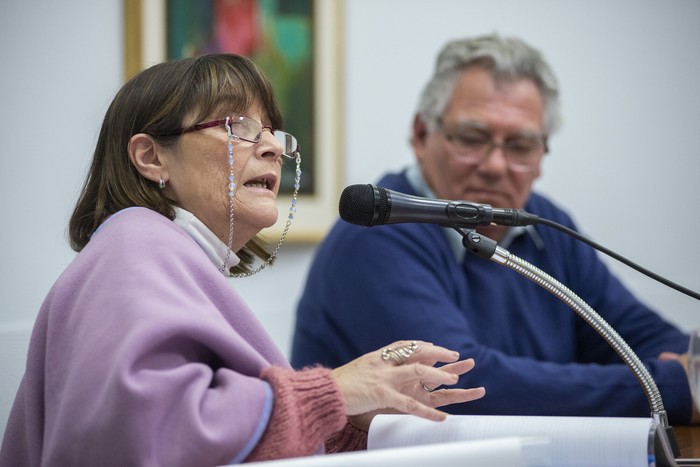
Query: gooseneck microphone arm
x=489, y=249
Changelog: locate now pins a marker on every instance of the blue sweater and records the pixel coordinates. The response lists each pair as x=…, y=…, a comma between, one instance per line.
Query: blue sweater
x=368, y=287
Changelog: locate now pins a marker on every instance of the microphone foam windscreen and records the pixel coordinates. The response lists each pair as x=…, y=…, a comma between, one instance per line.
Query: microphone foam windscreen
x=357, y=204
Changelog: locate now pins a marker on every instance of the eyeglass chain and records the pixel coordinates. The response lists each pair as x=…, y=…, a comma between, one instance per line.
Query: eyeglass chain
x=231, y=193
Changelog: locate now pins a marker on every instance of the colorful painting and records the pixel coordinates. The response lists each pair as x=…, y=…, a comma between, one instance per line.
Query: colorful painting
x=298, y=43
x=277, y=35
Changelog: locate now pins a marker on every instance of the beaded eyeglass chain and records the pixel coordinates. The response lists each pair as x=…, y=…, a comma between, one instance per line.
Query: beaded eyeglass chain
x=231, y=192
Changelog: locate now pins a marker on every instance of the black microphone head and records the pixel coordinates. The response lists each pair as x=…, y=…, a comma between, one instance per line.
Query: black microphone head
x=363, y=204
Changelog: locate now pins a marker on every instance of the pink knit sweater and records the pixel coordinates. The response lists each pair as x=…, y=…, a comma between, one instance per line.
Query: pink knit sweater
x=308, y=412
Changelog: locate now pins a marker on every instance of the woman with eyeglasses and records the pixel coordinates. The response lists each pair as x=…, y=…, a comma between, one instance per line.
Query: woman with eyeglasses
x=143, y=353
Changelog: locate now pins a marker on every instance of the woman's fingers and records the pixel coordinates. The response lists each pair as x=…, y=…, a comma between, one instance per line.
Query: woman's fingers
x=411, y=406
x=409, y=375
x=443, y=397
x=461, y=367
x=401, y=376
x=405, y=352
x=415, y=352
x=458, y=368
x=430, y=377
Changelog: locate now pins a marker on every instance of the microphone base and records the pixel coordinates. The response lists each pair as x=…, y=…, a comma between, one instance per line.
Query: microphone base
x=672, y=441
x=664, y=451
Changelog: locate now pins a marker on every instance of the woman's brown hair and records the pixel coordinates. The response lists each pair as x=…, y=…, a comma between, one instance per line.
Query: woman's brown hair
x=156, y=102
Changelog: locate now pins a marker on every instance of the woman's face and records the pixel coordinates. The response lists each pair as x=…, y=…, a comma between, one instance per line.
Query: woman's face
x=198, y=179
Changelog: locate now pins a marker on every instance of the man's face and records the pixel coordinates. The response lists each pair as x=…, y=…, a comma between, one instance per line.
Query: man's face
x=482, y=110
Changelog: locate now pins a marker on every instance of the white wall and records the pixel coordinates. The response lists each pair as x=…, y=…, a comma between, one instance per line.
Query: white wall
x=61, y=64
x=626, y=163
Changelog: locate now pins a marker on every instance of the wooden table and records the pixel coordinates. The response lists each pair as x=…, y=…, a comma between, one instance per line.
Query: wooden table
x=688, y=438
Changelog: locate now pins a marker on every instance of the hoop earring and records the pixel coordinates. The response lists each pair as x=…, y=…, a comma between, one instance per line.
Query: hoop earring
x=161, y=183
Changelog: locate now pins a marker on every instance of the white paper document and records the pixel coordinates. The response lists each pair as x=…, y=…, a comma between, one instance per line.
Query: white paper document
x=500, y=452
x=573, y=441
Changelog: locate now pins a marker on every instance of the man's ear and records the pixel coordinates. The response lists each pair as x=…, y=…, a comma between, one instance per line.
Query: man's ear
x=419, y=135
x=145, y=155
x=419, y=131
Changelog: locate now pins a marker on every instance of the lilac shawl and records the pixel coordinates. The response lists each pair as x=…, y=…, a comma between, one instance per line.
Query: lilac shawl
x=142, y=354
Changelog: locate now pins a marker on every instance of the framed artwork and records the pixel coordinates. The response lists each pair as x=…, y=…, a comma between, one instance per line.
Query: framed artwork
x=298, y=45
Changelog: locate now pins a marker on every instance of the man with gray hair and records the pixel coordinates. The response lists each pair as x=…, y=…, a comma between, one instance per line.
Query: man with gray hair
x=480, y=133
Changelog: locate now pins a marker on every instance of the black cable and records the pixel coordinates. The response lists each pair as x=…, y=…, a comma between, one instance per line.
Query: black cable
x=618, y=257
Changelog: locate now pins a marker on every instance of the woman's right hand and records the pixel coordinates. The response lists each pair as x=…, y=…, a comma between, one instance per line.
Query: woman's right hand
x=400, y=377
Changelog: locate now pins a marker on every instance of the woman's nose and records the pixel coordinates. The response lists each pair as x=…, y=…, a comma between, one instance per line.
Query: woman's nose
x=270, y=145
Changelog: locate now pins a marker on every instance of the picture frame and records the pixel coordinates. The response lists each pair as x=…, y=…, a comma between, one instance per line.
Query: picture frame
x=145, y=44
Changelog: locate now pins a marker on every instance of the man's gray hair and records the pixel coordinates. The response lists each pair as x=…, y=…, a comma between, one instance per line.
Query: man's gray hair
x=508, y=59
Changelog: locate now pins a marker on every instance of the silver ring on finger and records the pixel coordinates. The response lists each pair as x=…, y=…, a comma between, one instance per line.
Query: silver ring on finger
x=427, y=389
x=399, y=355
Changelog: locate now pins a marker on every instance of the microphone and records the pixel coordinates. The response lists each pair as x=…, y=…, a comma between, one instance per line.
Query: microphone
x=370, y=205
